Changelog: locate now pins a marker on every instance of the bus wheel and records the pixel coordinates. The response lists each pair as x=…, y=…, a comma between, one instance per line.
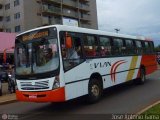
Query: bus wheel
x=94, y=90
x=142, y=78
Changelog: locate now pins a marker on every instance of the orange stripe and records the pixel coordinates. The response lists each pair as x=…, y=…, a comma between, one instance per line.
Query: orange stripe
x=132, y=66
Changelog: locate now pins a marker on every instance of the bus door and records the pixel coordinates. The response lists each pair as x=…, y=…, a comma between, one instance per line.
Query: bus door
x=72, y=54
x=73, y=64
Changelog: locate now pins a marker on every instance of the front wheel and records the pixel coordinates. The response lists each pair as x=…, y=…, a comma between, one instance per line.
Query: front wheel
x=95, y=90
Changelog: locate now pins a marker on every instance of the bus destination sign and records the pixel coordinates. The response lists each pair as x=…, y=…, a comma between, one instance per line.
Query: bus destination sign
x=35, y=35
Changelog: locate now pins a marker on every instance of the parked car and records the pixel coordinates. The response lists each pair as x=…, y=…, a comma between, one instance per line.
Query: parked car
x=0, y=87
x=158, y=57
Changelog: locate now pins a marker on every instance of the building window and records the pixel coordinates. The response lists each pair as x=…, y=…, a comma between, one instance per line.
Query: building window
x=7, y=6
x=8, y=18
x=17, y=28
x=8, y=30
x=16, y=2
x=17, y=15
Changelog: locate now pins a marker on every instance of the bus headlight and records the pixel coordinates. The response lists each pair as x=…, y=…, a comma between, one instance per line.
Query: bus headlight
x=56, y=83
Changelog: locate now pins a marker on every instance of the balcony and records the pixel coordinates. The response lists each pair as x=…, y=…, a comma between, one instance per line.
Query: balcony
x=55, y=21
x=70, y=13
x=85, y=17
x=70, y=4
x=52, y=11
x=85, y=25
x=84, y=1
x=55, y=2
x=84, y=7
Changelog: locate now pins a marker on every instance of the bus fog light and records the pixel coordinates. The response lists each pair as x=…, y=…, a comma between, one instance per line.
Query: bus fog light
x=56, y=83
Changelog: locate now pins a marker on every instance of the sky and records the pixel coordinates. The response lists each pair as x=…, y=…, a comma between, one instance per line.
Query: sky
x=133, y=17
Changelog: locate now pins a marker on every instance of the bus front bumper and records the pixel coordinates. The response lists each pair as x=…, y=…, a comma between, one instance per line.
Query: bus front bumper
x=57, y=95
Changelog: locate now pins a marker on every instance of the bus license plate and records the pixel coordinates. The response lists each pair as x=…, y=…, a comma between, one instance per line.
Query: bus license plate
x=33, y=96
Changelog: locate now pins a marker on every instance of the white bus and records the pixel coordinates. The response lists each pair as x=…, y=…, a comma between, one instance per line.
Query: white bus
x=59, y=63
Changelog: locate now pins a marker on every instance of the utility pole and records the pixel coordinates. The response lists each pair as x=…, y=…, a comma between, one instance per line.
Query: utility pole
x=117, y=30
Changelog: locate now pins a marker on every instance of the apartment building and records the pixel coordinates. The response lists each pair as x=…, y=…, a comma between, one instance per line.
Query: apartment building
x=21, y=15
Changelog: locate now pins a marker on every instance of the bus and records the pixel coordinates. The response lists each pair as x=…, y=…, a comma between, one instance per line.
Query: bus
x=58, y=63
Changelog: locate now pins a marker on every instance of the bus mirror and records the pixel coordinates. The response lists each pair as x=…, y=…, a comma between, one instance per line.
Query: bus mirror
x=68, y=42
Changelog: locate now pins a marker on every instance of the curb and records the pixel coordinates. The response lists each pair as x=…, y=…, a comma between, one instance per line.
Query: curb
x=8, y=102
x=148, y=107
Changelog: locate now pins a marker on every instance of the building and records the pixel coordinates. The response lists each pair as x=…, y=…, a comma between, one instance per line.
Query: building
x=21, y=15
x=7, y=42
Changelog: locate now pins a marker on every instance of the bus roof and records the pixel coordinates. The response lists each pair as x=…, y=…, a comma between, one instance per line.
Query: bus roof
x=85, y=30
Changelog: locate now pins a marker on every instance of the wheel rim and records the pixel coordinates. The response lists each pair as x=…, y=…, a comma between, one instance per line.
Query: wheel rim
x=95, y=90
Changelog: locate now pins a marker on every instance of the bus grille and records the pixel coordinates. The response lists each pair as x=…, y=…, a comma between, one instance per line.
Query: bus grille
x=41, y=85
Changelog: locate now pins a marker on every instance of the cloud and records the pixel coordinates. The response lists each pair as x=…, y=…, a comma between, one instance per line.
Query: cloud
x=137, y=17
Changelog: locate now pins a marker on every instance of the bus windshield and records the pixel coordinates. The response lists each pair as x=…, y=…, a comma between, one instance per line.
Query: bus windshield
x=36, y=56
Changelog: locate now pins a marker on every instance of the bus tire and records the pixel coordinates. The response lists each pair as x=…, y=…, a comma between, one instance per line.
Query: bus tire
x=95, y=90
x=141, y=80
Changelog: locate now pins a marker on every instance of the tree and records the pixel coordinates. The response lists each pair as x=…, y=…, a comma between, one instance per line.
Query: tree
x=157, y=48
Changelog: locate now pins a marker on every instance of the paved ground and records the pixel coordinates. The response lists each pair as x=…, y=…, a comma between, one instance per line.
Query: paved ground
x=6, y=97
x=127, y=98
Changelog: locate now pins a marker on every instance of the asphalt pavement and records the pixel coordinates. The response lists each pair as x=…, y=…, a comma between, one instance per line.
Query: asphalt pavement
x=124, y=99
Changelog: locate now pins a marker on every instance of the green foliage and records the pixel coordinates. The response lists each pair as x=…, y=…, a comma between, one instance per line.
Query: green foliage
x=157, y=48
x=153, y=110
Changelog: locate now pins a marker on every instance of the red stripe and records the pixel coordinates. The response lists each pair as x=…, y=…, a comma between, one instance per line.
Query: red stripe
x=111, y=72
x=114, y=79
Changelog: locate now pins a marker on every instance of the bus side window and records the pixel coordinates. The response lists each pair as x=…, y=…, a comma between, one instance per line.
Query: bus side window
x=151, y=45
x=71, y=56
x=147, y=47
x=63, y=48
x=117, y=46
x=143, y=48
x=139, y=47
x=104, y=46
x=130, y=50
x=77, y=45
x=91, y=46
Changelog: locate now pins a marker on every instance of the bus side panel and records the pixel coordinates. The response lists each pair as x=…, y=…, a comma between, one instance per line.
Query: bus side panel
x=113, y=71
x=122, y=70
x=135, y=65
x=76, y=89
x=76, y=81
x=150, y=63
